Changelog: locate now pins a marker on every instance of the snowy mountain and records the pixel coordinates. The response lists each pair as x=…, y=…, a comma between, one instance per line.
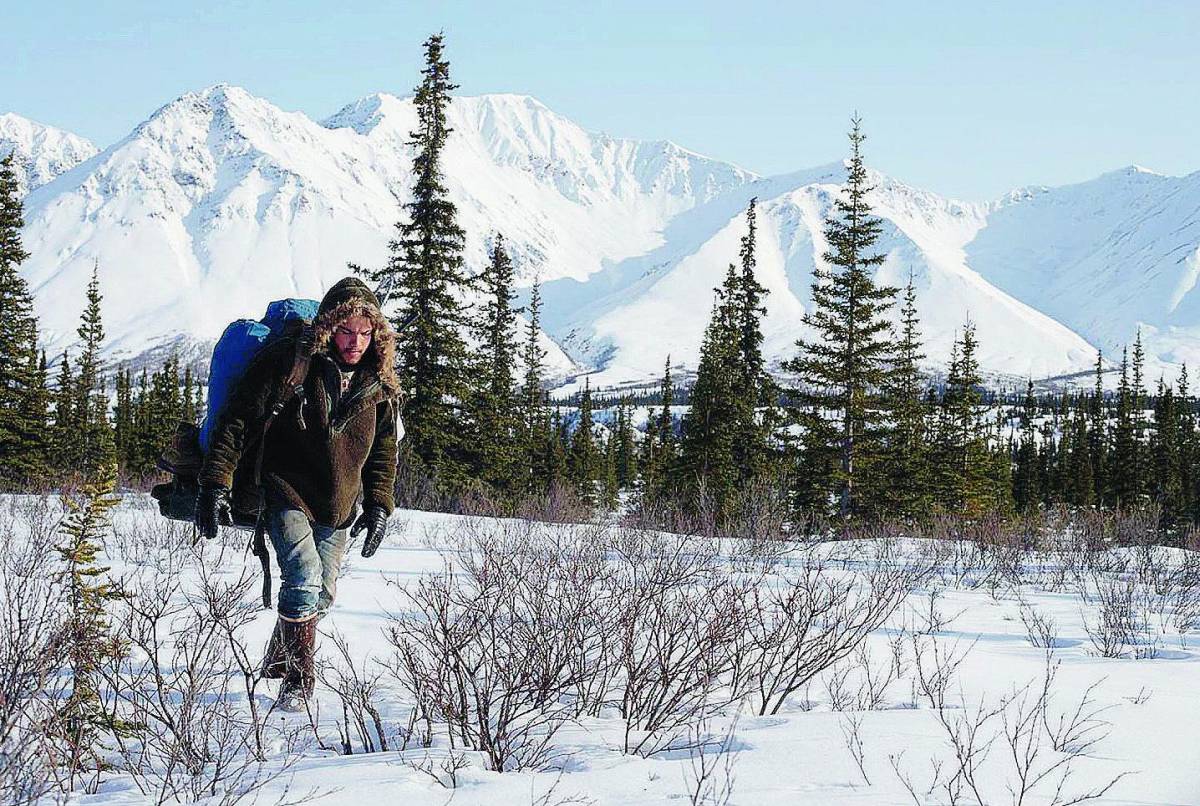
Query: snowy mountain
x=221, y=201
x=922, y=234
x=1105, y=257
x=42, y=152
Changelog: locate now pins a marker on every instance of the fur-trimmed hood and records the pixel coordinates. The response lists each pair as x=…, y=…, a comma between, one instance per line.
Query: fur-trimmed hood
x=350, y=297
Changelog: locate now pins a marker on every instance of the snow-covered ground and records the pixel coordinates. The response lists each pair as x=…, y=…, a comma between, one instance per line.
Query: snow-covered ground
x=969, y=608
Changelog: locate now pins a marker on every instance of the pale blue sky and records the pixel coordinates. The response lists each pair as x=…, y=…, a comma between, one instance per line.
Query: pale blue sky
x=965, y=99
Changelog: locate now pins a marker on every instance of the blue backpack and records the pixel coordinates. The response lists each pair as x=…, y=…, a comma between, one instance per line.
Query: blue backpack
x=237, y=348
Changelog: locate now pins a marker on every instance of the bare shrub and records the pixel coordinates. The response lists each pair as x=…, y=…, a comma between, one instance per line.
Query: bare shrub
x=483, y=652
x=708, y=777
x=444, y=771
x=1040, y=627
x=875, y=680
x=1039, y=746
x=357, y=690
x=195, y=739
x=679, y=623
x=1114, y=627
x=851, y=725
x=33, y=649
x=800, y=628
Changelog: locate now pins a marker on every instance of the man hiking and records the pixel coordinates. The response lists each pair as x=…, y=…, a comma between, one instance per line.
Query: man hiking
x=331, y=439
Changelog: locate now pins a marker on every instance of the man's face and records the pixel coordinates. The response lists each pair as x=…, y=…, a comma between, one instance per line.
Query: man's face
x=351, y=338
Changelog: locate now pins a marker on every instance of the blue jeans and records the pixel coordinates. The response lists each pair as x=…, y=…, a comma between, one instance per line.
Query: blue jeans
x=309, y=557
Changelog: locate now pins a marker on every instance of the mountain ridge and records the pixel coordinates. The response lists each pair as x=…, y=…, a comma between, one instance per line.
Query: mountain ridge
x=220, y=201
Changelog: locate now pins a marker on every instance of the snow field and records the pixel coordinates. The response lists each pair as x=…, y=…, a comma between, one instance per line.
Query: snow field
x=961, y=636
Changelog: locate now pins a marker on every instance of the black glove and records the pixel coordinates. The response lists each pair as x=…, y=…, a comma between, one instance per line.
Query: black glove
x=374, y=520
x=213, y=510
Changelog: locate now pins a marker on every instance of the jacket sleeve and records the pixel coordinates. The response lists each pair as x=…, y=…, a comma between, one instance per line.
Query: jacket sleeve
x=245, y=411
x=379, y=472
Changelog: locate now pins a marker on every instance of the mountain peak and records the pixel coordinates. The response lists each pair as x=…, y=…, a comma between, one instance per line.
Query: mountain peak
x=42, y=152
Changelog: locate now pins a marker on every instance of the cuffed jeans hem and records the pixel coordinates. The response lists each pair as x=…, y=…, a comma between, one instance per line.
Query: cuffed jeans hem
x=302, y=619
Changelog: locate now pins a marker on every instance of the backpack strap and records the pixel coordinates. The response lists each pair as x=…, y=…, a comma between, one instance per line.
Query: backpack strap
x=293, y=386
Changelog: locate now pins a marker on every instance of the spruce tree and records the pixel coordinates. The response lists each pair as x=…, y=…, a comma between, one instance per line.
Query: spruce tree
x=558, y=464
x=1124, y=451
x=610, y=485
x=190, y=412
x=493, y=413
x=95, y=446
x=905, y=492
x=658, y=447
x=536, y=433
x=1097, y=435
x=425, y=277
x=969, y=480
x=89, y=629
x=124, y=435
x=63, y=428
x=585, y=458
x=627, y=464
x=32, y=461
x=18, y=340
x=757, y=391
x=1164, y=452
x=1047, y=462
x=1188, y=455
x=1027, y=493
x=707, y=469
x=845, y=364
x=1078, y=487
x=1141, y=460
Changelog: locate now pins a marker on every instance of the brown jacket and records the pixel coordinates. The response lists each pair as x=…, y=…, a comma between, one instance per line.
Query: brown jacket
x=347, y=442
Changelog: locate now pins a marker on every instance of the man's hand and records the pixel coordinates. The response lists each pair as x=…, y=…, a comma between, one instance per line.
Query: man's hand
x=374, y=520
x=213, y=510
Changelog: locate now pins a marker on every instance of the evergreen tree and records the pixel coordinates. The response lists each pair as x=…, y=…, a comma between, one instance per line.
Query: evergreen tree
x=707, y=471
x=124, y=436
x=191, y=397
x=18, y=343
x=585, y=460
x=906, y=491
x=969, y=480
x=1124, y=466
x=1047, y=462
x=626, y=452
x=63, y=428
x=1097, y=435
x=1027, y=493
x=493, y=410
x=32, y=461
x=95, y=447
x=658, y=447
x=1078, y=486
x=537, y=434
x=845, y=365
x=1188, y=455
x=609, y=483
x=1141, y=460
x=1164, y=449
x=426, y=277
x=752, y=450
x=88, y=627
x=558, y=464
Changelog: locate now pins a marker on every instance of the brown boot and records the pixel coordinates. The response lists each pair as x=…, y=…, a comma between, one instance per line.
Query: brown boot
x=274, y=663
x=299, y=640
